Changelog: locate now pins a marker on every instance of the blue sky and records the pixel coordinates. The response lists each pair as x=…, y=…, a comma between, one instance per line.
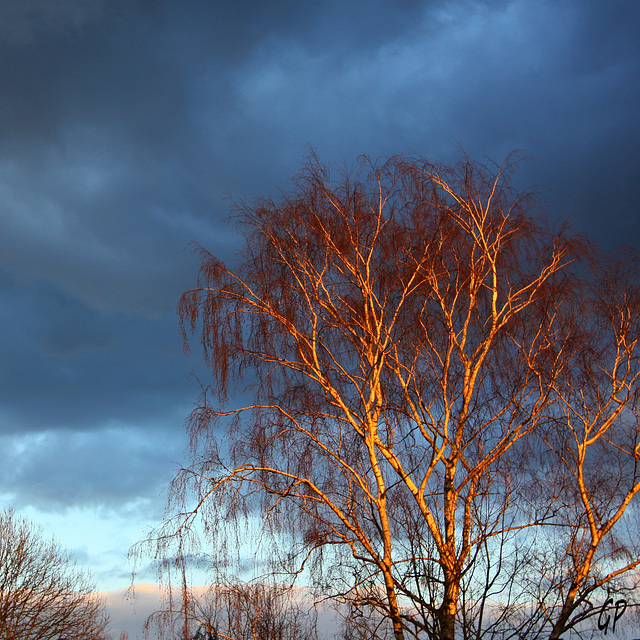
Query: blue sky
x=127, y=127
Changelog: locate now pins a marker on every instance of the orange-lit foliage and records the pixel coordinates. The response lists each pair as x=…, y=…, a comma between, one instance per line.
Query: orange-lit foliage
x=589, y=468
x=409, y=330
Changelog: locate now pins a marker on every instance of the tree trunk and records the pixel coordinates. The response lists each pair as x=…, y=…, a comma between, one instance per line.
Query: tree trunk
x=567, y=607
x=394, y=609
x=447, y=611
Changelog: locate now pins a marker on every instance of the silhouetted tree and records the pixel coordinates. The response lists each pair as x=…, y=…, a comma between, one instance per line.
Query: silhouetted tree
x=205, y=633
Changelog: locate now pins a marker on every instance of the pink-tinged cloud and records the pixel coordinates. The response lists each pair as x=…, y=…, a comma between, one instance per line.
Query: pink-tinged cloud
x=129, y=609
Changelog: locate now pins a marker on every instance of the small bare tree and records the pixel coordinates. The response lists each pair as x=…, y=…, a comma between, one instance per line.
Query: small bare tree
x=238, y=611
x=43, y=595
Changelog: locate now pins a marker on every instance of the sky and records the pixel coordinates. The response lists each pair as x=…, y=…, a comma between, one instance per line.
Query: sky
x=128, y=128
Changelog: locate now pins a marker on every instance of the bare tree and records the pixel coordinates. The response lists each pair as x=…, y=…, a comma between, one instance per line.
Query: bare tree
x=401, y=329
x=238, y=611
x=263, y=612
x=43, y=595
x=585, y=461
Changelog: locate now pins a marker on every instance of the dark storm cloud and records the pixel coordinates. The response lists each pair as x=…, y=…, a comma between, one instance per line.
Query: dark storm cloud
x=123, y=125
x=22, y=22
x=67, y=366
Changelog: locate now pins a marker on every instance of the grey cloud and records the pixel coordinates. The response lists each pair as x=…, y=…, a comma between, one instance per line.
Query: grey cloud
x=66, y=366
x=109, y=469
x=22, y=22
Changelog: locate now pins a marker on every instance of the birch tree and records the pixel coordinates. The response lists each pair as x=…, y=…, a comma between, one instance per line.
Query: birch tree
x=585, y=461
x=399, y=332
